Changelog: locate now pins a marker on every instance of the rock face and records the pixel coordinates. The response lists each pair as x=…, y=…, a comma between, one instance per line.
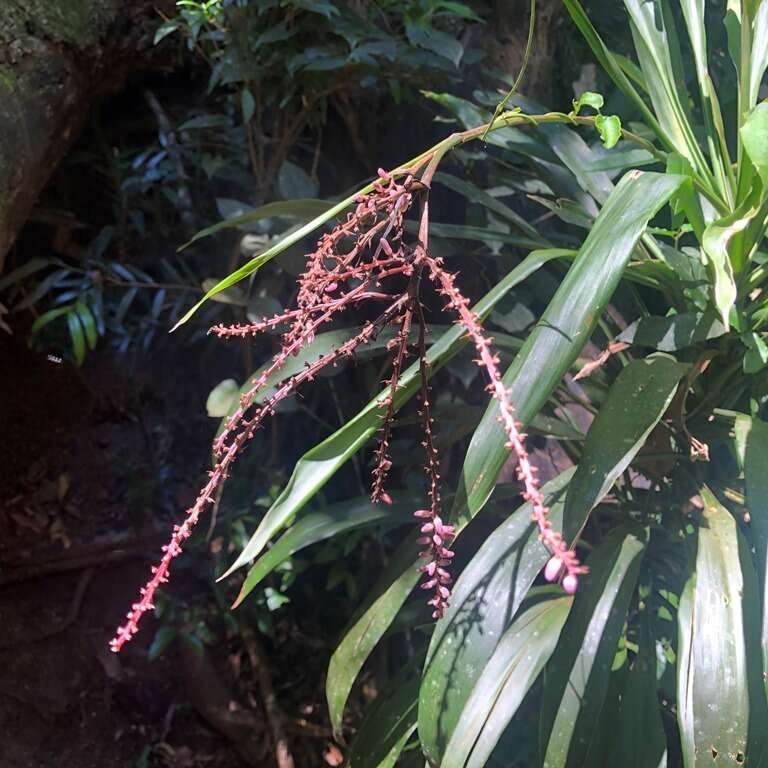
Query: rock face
x=56, y=57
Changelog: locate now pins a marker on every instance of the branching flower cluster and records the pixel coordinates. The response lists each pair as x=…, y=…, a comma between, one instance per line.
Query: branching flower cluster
x=369, y=259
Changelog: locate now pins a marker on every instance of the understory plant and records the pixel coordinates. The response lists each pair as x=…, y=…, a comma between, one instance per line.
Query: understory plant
x=654, y=649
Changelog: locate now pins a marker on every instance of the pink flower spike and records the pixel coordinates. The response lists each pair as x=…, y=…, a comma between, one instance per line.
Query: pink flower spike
x=553, y=568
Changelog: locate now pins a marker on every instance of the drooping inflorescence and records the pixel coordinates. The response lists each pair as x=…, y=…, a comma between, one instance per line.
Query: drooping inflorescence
x=368, y=259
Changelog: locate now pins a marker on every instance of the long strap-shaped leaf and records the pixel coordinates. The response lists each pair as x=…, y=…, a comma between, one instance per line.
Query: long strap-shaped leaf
x=509, y=674
x=388, y=724
x=635, y=404
x=756, y=475
x=485, y=598
x=577, y=677
x=720, y=696
x=322, y=525
x=566, y=324
x=319, y=464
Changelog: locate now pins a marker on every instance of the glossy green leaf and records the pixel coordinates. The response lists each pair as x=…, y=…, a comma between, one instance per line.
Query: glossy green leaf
x=565, y=326
x=669, y=334
x=635, y=404
x=319, y=464
x=720, y=695
x=388, y=724
x=48, y=317
x=485, y=598
x=396, y=583
x=756, y=476
x=577, y=677
x=521, y=654
x=324, y=524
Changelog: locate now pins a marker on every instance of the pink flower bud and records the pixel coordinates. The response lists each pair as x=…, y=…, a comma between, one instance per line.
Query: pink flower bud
x=571, y=583
x=553, y=568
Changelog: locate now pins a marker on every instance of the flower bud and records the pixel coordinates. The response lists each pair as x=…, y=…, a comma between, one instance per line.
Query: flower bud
x=571, y=583
x=553, y=568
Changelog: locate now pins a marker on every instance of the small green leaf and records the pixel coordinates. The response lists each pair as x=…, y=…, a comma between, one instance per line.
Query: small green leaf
x=160, y=642
x=756, y=357
x=88, y=322
x=609, y=128
x=588, y=99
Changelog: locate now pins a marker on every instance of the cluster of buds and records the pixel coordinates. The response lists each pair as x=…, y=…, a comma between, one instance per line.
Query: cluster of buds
x=366, y=259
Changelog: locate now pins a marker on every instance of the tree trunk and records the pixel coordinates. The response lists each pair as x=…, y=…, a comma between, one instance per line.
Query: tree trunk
x=56, y=57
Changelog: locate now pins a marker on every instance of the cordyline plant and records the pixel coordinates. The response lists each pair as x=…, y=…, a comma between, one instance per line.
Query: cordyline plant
x=660, y=656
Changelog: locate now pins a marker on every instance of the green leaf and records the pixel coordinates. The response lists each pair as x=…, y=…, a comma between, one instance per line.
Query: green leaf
x=476, y=195
x=88, y=322
x=611, y=63
x=286, y=209
x=754, y=138
x=756, y=357
x=318, y=526
x=640, y=741
x=756, y=476
x=394, y=586
x=503, y=682
x=577, y=677
x=160, y=642
x=485, y=598
x=223, y=398
x=483, y=234
x=435, y=41
x=635, y=404
x=720, y=695
x=609, y=128
x=565, y=326
x=588, y=99
x=759, y=58
x=388, y=724
x=669, y=334
x=722, y=254
x=319, y=464
x=247, y=105
x=48, y=317
x=77, y=336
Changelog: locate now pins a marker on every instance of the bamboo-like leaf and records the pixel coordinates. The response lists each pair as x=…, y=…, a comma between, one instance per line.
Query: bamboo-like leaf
x=503, y=682
x=319, y=464
x=721, y=704
x=318, y=526
x=388, y=724
x=77, y=336
x=485, y=598
x=565, y=326
x=577, y=677
x=635, y=404
x=656, y=51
